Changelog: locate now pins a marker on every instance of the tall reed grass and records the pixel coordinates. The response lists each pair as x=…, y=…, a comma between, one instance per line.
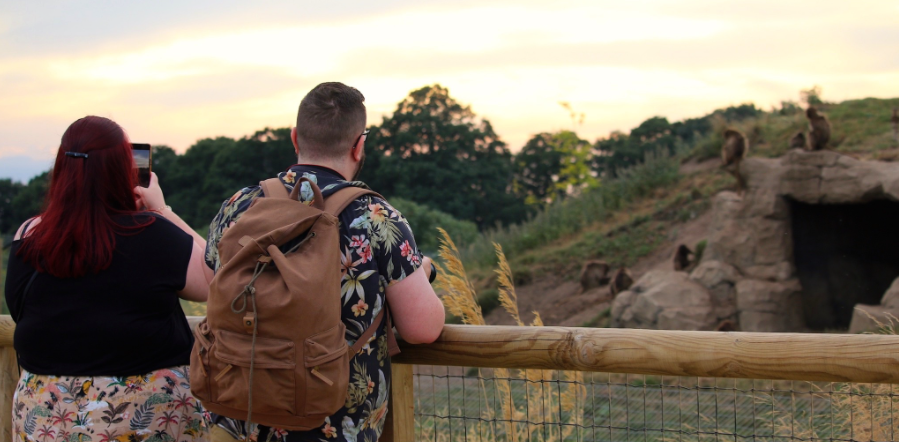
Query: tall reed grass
x=862, y=412
x=460, y=298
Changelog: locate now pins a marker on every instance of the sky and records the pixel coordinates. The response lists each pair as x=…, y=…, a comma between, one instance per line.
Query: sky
x=173, y=71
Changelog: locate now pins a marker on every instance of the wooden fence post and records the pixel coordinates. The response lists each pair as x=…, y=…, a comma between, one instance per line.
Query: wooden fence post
x=9, y=378
x=400, y=425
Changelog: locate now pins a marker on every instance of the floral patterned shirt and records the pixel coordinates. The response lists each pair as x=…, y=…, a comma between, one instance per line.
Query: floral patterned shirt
x=377, y=250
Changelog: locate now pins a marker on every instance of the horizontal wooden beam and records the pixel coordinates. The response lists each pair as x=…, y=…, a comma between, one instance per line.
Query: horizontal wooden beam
x=787, y=356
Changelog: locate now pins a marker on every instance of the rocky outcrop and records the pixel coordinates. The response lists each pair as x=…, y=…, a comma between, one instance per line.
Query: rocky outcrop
x=890, y=299
x=747, y=271
x=871, y=318
x=720, y=280
x=769, y=306
x=665, y=300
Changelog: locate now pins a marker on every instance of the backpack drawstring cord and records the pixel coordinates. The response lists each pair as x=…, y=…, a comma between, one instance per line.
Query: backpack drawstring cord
x=250, y=291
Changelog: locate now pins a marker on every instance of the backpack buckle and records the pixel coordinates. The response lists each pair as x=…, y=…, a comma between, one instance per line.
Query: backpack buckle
x=249, y=322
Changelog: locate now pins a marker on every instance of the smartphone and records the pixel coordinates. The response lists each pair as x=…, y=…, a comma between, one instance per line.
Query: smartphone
x=142, y=162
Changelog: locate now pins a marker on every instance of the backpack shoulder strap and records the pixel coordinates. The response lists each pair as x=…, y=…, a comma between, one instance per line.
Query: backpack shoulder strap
x=338, y=201
x=274, y=188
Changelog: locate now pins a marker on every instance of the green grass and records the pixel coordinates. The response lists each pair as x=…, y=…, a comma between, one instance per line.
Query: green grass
x=450, y=406
x=858, y=127
x=575, y=214
x=648, y=408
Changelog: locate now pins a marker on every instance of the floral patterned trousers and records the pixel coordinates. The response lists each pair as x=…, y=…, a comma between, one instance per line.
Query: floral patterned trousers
x=156, y=407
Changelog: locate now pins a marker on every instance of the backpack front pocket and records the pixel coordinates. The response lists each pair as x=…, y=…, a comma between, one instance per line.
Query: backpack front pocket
x=274, y=377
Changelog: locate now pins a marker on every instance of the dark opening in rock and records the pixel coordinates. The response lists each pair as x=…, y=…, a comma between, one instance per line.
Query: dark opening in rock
x=845, y=254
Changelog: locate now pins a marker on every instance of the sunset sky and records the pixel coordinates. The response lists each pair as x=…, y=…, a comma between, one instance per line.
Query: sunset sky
x=171, y=72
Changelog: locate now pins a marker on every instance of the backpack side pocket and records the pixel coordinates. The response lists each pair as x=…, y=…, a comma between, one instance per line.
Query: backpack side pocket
x=327, y=362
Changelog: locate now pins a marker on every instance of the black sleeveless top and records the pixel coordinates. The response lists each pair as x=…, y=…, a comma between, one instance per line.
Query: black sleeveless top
x=123, y=321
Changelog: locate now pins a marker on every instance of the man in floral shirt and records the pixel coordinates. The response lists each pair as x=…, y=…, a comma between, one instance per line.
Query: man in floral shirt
x=378, y=253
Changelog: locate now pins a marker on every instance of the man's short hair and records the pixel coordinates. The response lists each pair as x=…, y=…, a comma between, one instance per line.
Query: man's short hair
x=330, y=119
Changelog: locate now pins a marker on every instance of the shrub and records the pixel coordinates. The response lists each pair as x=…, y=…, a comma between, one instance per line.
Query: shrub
x=488, y=300
x=425, y=220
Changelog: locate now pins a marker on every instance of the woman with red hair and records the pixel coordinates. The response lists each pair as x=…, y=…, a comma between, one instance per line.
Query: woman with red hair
x=94, y=284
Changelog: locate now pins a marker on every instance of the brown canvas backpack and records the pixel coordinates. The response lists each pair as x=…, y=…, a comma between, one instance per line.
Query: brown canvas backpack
x=272, y=348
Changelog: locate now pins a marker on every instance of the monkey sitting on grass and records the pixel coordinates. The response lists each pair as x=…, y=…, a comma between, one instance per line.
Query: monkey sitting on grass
x=732, y=153
x=818, y=130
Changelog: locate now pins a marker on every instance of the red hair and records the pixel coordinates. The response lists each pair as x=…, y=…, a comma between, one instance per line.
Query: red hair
x=76, y=234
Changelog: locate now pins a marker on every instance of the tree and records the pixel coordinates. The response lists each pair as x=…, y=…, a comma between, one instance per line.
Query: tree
x=213, y=169
x=811, y=96
x=243, y=163
x=692, y=128
x=8, y=191
x=537, y=167
x=426, y=220
x=553, y=165
x=435, y=151
x=30, y=200
x=621, y=151
x=165, y=160
x=738, y=113
x=184, y=182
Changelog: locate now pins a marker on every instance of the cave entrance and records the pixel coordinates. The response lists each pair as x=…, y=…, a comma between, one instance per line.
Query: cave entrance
x=845, y=254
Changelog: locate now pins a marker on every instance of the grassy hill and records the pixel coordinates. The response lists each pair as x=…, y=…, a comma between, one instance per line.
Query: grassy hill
x=630, y=217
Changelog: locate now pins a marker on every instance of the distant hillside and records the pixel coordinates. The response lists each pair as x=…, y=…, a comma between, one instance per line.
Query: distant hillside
x=629, y=218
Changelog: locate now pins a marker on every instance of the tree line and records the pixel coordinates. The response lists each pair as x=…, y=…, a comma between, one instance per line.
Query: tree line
x=432, y=153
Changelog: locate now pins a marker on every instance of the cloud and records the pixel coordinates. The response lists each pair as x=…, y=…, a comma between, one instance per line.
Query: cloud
x=172, y=72
x=66, y=27
x=22, y=168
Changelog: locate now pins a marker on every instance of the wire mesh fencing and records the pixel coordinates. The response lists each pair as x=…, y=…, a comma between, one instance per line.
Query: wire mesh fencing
x=469, y=404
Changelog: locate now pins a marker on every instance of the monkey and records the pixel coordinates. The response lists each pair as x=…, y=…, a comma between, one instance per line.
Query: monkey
x=594, y=274
x=727, y=326
x=732, y=153
x=798, y=141
x=895, y=120
x=621, y=281
x=682, y=261
x=818, y=130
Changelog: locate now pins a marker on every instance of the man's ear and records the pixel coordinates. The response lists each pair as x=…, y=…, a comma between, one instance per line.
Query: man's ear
x=358, y=149
x=293, y=139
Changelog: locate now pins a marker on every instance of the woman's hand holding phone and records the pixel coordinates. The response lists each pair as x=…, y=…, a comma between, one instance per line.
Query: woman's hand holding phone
x=151, y=197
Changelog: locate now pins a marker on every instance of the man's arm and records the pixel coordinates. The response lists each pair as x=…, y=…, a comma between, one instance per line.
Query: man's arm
x=417, y=311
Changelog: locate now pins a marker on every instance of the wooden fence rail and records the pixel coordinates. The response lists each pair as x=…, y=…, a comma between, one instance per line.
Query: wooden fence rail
x=774, y=356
